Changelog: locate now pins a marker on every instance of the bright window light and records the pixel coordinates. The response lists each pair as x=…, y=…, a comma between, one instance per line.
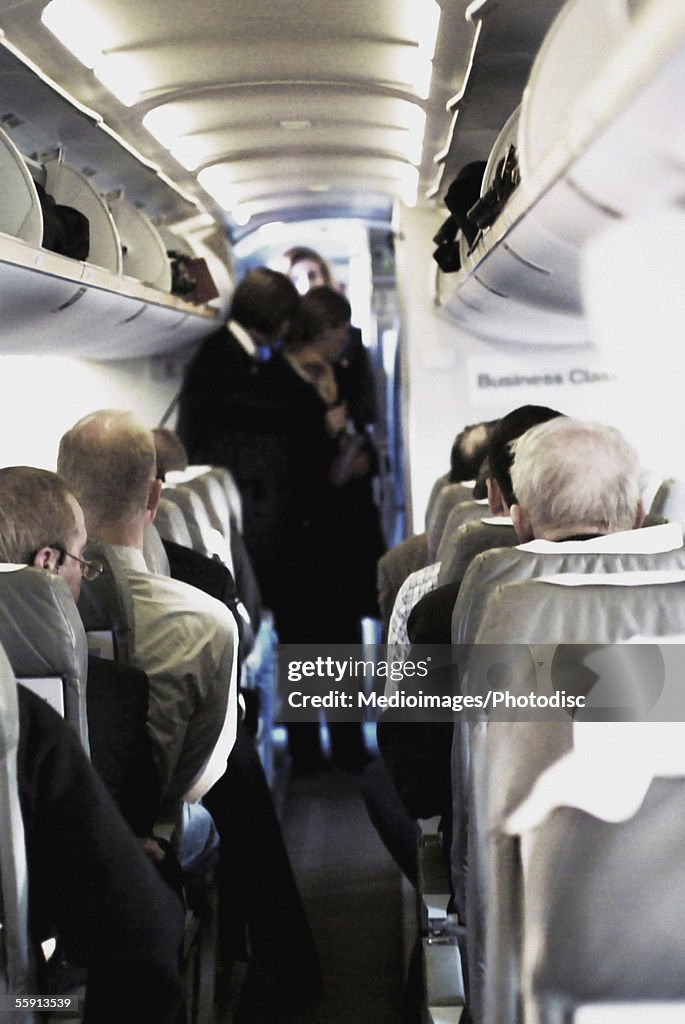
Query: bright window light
x=421, y=79
x=242, y=214
x=189, y=152
x=123, y=75
x=216, y=181
x=409, y=185
x=415, y=128
x=167, y=124
x=77, y=26
x=427, y=26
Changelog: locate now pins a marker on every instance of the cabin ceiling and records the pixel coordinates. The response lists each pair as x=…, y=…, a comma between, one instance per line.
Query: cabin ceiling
x=275, y=109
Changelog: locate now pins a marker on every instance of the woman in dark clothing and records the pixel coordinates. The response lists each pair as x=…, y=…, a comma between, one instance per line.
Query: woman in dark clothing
x=353, y=368
x=327, y=576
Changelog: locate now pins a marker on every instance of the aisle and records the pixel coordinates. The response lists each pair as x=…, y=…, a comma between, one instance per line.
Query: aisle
x=352, y=891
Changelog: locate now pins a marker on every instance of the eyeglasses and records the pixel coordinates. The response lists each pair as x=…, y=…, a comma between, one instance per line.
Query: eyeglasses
x=90, y=569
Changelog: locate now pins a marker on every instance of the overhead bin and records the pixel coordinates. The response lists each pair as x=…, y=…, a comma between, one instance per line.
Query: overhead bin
x=573, y=54
x=20, y=212
x=606, y=78
x=71, y=188
x=143, y=251
x=116, y=304
x=50, y=304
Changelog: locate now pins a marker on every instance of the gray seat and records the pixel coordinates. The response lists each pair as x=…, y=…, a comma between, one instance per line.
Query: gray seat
x=489, y=569
x=16, y=974
x=441, y=482
x=464, y=512
x=106, y=606
x=204, y=537
x=469, y=540
x=44, y=639
x=394, y=567
x=601, y=921
x=171, y=523
x=215, y=501
x=235, y=502
x=220, y=475
x=505, y=758
x=669, y=501
x=153, y=551
x=449, y=496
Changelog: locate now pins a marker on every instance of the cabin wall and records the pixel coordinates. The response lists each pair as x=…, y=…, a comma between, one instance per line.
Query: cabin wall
x=629, y=377
x=42, y=396
x=434, y=396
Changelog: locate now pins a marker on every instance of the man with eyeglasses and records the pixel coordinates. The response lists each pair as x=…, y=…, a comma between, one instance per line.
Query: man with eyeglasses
x=88, y=878
x=42, y=525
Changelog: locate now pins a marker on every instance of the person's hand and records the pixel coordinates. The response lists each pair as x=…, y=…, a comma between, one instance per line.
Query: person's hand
x=336, y=419
x=152, y=849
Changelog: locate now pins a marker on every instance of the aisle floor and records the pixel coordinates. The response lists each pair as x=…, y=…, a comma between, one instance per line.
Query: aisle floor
x=353, y=894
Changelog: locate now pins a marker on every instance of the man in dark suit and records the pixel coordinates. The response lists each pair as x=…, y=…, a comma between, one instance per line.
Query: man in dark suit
x=222, y=417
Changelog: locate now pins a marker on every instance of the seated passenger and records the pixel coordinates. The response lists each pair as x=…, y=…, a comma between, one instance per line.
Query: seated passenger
x=417, y=754
x=574, y=481
x=468, y=451
x=41, y=524
x=415, y=553
x=89, y=881
x=185, y=640
x=187, y=643
x=428, y=617
x=171, y=453
x=429, y=620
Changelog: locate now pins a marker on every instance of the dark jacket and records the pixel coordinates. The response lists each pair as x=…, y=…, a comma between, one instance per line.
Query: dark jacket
x=89, y=880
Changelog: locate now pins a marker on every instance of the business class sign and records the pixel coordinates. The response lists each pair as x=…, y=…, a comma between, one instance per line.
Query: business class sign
x=545, y=379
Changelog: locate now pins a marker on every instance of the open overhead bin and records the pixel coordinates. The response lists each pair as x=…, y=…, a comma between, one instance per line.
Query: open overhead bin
x=114, y=301
x=52, y=305
x=607, y=78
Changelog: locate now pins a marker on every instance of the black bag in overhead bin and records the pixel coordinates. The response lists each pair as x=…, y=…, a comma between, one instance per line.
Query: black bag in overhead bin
x=65, y=229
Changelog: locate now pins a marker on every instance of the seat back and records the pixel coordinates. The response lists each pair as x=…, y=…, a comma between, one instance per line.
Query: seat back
x=204, y=537
x=153, y=551
x=669, y=501
x=449, y=496
x=506, y=758
x=223, y=476
x=492, y=568
x=462, y=513
x=215, y=501
x=45, y=642
x=604, y=827
x=441, y=482
x=16, y=975
x=470, y=539
x=171, y=524
x=106, y=606
x=394, y=567
x=230, y=487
